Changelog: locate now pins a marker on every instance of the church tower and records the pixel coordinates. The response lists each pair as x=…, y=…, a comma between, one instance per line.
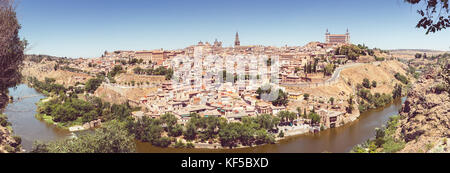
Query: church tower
x=347, y=38
x=237, y=42
x=327, y=36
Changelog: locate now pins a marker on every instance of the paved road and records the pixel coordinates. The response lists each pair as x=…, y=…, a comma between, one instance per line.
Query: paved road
x=337, y=72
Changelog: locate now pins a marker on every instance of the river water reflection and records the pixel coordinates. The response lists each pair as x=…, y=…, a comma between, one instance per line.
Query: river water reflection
x=21, y=115
x=337, y=140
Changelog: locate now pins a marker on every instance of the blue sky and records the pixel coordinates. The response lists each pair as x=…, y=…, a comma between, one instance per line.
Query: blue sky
x=86, y=28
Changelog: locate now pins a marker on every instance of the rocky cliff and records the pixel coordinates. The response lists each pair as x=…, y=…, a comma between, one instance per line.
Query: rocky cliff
x=425, y=116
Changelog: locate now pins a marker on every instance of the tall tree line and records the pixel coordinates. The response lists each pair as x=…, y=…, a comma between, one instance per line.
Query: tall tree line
x=11, y=46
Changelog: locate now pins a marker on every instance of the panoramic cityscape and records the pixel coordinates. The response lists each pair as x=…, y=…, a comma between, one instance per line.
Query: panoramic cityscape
x=328, y=89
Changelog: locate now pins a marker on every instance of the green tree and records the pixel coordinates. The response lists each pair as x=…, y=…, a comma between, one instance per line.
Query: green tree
x=146, y=129
x=266, y=121
x=281, y=134
x=379, y=136
x=397, y=92
x=315, y=118
x=374, y=84
x=191, y=132
x=351, y=51
x=112, y=138
x=299, y=111
x=366, y=83
x=179, y=144
x=263, y=137
x=162, y=142
x=176, y=131
x=331, y=100
x=282, y=98
x=329, y=69
x=12, y=48
x=269, y=62
x=350, y=104
x=306, y=96
x=418, y=55
x=401, y=78
x=93, y=84
x=229, y=134
x=169, y=119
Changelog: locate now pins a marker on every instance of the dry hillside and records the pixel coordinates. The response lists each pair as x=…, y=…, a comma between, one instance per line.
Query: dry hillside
x=127, y=78
x=382, y=72
x=121, y=95
x=425, y=123
x=46, y=69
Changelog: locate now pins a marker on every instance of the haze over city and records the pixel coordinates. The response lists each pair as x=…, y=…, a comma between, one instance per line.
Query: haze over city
x=85, y=28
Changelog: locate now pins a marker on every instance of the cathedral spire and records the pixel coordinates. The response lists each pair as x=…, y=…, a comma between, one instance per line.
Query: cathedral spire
x=236, y=41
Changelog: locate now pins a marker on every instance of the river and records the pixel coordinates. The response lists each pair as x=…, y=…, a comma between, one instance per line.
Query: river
x=337, y=140
x=21, y=114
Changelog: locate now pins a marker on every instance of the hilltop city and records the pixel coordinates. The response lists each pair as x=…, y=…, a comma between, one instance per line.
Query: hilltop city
x=188, y=96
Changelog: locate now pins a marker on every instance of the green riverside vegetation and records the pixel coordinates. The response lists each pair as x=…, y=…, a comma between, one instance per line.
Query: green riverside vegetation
x=203, y=129
x=65, y=109
x=402, y=78
x=384, y=141
x=111, y=138
x=367, y=100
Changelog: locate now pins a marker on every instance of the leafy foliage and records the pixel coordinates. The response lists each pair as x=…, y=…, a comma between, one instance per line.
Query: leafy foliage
x=351, y=51
x=11, y=47
x=278, y=98
x=4, y=121
x=433, y=15
x=48, y=86
x=146, y=129
x=168, y=73
x=384, y=140
x=112, y=138
x=366, y=83
x=93, y=84
x=397, y=92
x=401, y=78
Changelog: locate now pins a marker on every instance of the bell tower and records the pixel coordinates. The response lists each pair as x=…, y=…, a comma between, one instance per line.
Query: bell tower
x=236, y=41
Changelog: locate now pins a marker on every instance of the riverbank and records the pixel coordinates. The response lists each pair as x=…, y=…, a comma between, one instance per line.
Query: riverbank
x=21, y=114
x=289, y=131
x=49, y=119
x=422, y=125
x=8, y=142
x=425, y=117
x=335, y=140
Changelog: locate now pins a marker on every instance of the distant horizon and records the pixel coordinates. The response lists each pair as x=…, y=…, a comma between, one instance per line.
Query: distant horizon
x=86, y=28
x=227, y=46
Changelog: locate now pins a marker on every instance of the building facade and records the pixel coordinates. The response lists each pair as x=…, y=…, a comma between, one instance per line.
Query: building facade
x=337, y=38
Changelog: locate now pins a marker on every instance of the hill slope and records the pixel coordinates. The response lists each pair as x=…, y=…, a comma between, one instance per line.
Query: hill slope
x=425, y=123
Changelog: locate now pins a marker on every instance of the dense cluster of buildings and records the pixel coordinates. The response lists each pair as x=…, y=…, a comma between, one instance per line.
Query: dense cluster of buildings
x=213, y=80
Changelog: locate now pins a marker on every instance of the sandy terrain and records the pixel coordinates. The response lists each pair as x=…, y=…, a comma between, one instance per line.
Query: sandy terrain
x=46, y=69
x=410, y=53
x=127, y=77
x=120, y=95
x=382, y=73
